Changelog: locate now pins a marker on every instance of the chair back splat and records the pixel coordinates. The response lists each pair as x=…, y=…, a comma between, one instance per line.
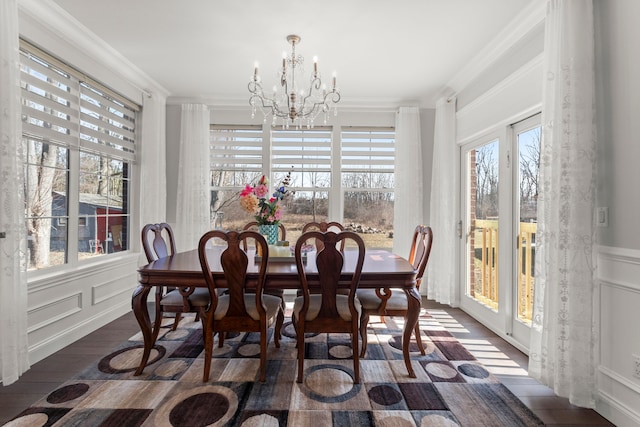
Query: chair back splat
x=334, y=226
x=245, y=307
x=329, y=310
x=282, y=235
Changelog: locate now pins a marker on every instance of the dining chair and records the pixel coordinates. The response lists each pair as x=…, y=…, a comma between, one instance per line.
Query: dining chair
x=385, y=301
x=282, y=235
x=238, y=310
x=324, y=226
x=328, y=311
x=158, y=242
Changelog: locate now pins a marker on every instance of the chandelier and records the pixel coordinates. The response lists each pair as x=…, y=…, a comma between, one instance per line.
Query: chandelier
x=292, y=103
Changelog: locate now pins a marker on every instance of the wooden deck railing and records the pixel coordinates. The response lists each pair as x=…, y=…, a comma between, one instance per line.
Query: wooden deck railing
x=484, y=279
x=526, y=258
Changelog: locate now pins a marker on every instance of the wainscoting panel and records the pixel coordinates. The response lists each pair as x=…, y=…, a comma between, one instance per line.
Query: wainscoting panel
x=64, y=307
x=619, y=317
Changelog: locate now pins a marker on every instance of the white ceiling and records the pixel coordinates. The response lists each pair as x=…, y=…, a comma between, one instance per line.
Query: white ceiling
x=384, y=53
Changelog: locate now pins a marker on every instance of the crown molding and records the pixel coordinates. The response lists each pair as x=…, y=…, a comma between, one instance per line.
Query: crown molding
x=523, y=24
x=352, y=104
x=52, y=17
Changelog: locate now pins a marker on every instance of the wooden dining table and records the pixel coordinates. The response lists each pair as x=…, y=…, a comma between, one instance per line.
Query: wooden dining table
x=381, y=269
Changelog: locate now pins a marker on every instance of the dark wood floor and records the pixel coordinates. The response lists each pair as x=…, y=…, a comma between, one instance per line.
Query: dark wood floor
x=502, y=359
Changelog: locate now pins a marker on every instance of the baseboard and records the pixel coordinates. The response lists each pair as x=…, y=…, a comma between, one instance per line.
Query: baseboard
x=612, y=410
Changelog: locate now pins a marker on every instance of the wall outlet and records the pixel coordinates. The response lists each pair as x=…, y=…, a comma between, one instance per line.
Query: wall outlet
x=636, y=365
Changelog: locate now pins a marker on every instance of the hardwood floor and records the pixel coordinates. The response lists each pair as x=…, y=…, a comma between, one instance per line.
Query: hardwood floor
x=502, y=359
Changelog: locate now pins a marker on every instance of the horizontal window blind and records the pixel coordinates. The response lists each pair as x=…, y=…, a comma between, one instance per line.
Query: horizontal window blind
x=50, y=101
x=106, y=125
x=236, y=148
x=368, y=149
x=63, y=105
x=236, y=156
x=304, y=150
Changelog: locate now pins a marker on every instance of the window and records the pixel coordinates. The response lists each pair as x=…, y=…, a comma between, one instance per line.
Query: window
x=362, y=162
x=307, y=154
x=236, y=160
x=79, y=140
x=368, y=157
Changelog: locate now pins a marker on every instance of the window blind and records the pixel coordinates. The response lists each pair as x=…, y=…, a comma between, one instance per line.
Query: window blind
x=61, y=104
x=308, y=152
x=368, y=149
x=236, y=154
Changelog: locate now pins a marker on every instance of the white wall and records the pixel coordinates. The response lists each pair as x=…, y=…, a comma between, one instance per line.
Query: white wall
x=618, y=91
x=618, y=105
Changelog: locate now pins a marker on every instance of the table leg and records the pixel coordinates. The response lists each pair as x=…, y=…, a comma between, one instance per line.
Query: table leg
x=139, y=306
x=413, y=313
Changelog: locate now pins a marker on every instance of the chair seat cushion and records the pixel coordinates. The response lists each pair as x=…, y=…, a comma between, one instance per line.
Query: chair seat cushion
x=315, y=300
x=199, y=298
x=272, y=305
x=371, y=302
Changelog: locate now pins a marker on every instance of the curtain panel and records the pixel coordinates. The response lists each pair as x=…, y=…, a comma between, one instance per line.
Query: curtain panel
x=563, y=344
x=153, y=162
x=408, y=205
x=193, y=210
x=441, y=277
x=14, y=353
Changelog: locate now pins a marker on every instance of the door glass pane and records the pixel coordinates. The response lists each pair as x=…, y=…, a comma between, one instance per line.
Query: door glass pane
x=482, y=274
x=528, y=173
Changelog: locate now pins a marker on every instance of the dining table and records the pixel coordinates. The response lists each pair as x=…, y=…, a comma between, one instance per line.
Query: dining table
x=381, y=268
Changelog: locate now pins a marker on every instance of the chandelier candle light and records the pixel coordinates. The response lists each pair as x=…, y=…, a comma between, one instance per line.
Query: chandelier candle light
x=292, y=104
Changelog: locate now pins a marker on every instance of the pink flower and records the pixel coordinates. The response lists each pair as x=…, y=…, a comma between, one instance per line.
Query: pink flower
x=247, y=190
x=261, y=191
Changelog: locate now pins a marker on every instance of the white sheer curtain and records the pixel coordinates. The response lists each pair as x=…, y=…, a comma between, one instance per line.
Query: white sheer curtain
x=408, y=211
x=192, y=212
x=14, y=354
x=441, y=277
x=563, y=336
x=153, y=161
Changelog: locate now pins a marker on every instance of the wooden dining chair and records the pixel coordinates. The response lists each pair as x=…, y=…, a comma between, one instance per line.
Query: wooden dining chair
x=323, y=226
x=385, y=301
x=282, y=235
x=158, y=242
x=328, y=311
x=238, y=310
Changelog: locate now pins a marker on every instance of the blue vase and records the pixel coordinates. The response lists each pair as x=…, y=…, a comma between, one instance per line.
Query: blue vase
x=270, y=232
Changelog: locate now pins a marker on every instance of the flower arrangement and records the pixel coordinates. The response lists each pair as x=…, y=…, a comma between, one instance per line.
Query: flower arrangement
x=253, y=199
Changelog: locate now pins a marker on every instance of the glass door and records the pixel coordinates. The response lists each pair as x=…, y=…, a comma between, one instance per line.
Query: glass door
x=500, y=193
x=527, y=136
x=482, y=243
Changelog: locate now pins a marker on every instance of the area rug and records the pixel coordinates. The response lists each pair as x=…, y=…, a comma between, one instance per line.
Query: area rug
x=451, y=389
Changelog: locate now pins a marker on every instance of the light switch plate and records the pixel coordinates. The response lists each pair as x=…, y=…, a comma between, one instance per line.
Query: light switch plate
x=603, y=217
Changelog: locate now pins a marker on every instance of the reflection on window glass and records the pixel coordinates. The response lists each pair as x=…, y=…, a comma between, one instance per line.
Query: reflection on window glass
x=103, y=204
x=482, y=273
x=46, y=207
